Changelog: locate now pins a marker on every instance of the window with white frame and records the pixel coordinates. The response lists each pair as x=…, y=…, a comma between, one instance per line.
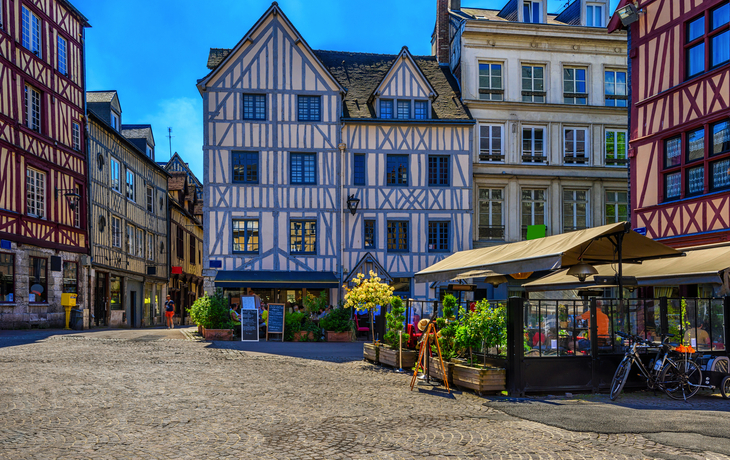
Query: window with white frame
x=594, y=15
x=62, y=56
x=533, y=83
x=130, y=240
x=116, y=232
x=76, y=136
x=533, y=145
x=150, y=246
x=490, y=143
x=490, y=82
x=130, y=185
x=532, y=11
x=616, y=147
x=575, y=90
x=575, y=145
x=31, y=31
x=150, y=152
x=615, y=88
x=35, y=187
x=533, y=209
x=114, y=175
x=115, y=121
x=403, y=110
x=617, y=207
x=491, y=215
x=575, y=210
x=33, y=108
x=140, y=243
x=150, y=199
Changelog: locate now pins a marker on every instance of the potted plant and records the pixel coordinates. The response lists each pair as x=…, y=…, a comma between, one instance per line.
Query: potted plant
x=212, y=315
x=313, y=305
x=485, y=327
x=299, y=328
x=563, y=316
x=338, y=325
x=446, y=326
x=394, y=355
x=366, y=295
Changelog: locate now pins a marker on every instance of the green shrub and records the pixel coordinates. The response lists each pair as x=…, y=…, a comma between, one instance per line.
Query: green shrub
x=314, y=304
x=293, y=322
x=338, y=320
x=211, y=312
x=394, y=323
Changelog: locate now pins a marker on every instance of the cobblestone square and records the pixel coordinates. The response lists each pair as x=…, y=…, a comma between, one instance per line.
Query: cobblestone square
x=156, y=394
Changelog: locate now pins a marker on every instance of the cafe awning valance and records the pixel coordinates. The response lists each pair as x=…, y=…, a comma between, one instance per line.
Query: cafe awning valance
x=262, y=279
x=702, y=265
x=592, y=245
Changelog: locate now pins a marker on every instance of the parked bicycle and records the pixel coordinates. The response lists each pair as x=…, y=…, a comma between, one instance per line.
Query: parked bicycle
x=677, y=375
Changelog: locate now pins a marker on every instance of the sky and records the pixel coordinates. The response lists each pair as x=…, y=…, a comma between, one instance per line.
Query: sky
x=154, y=51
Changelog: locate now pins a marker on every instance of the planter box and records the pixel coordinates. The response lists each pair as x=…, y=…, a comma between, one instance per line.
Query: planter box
x=371, y=352
x=218, y=334
x=434, y=369
x=392, y=358
x=200, y=329
x=299, y=335
x=478, y=379
x=346, y=336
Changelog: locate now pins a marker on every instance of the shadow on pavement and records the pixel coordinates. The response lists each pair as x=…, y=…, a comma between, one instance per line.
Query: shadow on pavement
x=15, y=337
x=320, y=351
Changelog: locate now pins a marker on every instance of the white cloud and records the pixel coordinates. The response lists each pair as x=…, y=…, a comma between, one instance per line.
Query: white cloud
x=184, y=116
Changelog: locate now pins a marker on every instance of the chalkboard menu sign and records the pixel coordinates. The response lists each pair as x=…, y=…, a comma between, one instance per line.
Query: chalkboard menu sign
x=249, y=325
x=276, y=320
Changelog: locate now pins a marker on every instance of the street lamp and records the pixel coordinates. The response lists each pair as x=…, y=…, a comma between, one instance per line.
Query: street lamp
x=71, y=194
x=352, y=203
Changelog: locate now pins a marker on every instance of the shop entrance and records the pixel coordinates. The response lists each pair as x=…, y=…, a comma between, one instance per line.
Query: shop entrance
x=101, y=299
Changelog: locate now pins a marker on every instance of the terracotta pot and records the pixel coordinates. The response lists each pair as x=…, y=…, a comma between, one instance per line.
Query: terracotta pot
x=478, y=379
x=371, y=352
x=218, y=334
x=346, y=336
x=392, y=358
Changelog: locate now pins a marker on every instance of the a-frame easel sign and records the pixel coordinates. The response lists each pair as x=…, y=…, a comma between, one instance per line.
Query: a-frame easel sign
x=275, y=324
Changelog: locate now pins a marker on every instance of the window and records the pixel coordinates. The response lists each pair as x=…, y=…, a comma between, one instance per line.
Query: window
x=31, y=32
x=615, y=88
x=304, y=168
x=617, y=207
x=615, y=147
x=533, y=83
x=70, y=277
x=491, y=204
x=695, y=145
x=707, y=32
x=533, y=145
x=7, y=277
x=77, y=207
x=192, y=249
x=533, y=209
x=62, y=56
x=720, y=137
x=695, y=181
x=35, y=185
x=254, y=107
x=150, y=199
x=246, y=236
x=130, y=240
x=404, y=110
x=575, y=210
x=720, y=179
x=37, y=280
x=140, y=243
x=114, y=172
x=32, y=108
x=180, y=243
x=386, y=108
x=398, y=236
x=531, y=12
x=76, y=136
x=150, y=246
x=420, y=110
x=594, y=15
x=358, y=169
x=116, y=232
x=149, y=151
x=490, y=82
x=369, y=234
x=130, y=185
x=673, y=152
x=438, y=237
x=115, y=121
x=309, y=108
x=303, y=236
x=673, y=186
x=438, y=170
x=490, y=143
x=396, y=170
x=574, y=86
x=245, y=167
x=575, y=146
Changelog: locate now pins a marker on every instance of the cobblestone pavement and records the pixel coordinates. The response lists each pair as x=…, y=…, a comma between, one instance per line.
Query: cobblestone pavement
x=150, y=395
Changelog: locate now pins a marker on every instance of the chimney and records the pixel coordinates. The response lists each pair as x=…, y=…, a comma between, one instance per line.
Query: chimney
x=455, y=5
x=442, y=30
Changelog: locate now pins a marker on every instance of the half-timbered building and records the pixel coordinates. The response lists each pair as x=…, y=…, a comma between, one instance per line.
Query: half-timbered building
x=43, y=191
x=176, y=163
x=679, y=65
x=128, y=218
x=318, y=160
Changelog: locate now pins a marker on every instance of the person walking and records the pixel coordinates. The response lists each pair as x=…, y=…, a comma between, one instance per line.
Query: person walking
x=169, y=311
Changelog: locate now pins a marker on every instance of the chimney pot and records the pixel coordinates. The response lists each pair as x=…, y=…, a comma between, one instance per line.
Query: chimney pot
x=455, y=5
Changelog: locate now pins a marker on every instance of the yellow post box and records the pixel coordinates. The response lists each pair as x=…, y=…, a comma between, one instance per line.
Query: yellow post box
x=68, y=301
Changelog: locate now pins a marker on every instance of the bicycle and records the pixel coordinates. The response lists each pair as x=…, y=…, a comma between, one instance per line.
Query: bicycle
x=678, y=379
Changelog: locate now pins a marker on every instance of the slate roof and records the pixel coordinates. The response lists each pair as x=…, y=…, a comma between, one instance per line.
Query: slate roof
x=100, y=96
x=139, y=132
x=492, y=15
x=216, y=56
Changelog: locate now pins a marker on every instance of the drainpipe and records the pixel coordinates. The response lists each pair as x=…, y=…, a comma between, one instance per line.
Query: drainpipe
x=342, y=146
x=89, y=217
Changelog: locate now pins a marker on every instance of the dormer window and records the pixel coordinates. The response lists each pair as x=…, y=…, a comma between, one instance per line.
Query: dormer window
x=115, y=121
x=420, y=110
x=404, y=110
x=532, y=12
x=386, y=108
x=150, y=152
x=594, y=15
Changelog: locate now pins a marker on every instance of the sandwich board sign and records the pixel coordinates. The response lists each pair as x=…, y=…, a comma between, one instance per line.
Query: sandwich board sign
x=275, y=323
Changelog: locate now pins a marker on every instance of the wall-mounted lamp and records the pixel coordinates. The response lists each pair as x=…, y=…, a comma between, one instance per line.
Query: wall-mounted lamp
x=628, y=14
x=71, y=194
x=352, y=203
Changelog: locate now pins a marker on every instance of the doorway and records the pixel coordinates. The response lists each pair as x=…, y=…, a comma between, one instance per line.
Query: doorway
x=133, y=308
x=100, y=302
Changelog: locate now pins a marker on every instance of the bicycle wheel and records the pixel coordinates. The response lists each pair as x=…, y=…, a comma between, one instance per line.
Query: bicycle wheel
x=681, y=379
x=620, y=377
x=725, y=387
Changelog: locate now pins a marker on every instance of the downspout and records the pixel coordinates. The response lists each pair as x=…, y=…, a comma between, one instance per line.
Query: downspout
x=89, y=218
x=342, y=146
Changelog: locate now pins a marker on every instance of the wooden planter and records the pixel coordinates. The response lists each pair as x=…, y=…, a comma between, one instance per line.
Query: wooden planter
x=392, y=358
x=478, y=379
x=218, y=334
x=371, y=352
x=346, y=336
x=298, y=336
x=434, y=369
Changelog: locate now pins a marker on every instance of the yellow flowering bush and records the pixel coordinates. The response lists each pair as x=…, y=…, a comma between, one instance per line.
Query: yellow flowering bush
x=367, y=294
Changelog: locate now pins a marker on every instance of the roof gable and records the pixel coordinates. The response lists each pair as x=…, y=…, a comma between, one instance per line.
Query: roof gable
x=405, y=79
x=176, y=163
x=365, y=265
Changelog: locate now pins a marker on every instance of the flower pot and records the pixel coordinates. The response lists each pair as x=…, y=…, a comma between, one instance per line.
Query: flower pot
x=301, y=335
x=434, y=369
x=392, y=357
x=218, y=334
x=200, y=329
x=346, y=336
x=371, y=352
x=478, y=379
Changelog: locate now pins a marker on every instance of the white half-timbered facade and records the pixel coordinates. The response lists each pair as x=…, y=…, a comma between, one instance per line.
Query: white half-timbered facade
x=292, y=133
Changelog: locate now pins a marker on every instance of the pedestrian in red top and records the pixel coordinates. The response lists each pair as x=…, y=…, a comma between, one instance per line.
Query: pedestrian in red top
x=169, y=312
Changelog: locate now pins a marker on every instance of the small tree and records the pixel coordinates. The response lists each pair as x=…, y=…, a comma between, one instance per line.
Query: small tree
x=314, y=304
x=211, y=312
x=394, y=322
x=367, y=294
x=447, y=328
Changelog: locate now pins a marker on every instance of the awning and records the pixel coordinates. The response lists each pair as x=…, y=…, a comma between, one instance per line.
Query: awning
x=591, y=245
x=701, y=265
x=275, y=279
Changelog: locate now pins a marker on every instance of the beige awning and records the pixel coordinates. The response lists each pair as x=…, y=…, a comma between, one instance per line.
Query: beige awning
x=700, y=265
x=592, y=245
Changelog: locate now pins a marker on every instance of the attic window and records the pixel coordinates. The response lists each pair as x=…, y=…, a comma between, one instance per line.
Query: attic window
x=532, y=12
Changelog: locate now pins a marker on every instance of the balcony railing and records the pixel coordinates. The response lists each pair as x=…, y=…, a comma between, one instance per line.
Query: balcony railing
x=486, y=156
x=527, y=158
x=575, y=159
x=491, y=232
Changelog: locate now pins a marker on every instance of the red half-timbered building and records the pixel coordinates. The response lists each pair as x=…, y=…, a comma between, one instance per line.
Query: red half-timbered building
x=43, y=194
x=679, y=61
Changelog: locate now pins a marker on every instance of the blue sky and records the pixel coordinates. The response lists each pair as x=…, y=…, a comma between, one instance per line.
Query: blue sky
x=153, y=51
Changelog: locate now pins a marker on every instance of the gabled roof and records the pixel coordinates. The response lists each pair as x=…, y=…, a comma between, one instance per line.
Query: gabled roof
x=84, y=21
x=100, y=96
x=377, y=268
x=176, y=158
x=404, y=54
x=219, y=56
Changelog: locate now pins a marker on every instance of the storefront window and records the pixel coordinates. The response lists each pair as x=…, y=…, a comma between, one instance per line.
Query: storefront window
x=115, y=293
x=7, y=278
x=558, y=328
x=70, y=275
x=37, y=280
